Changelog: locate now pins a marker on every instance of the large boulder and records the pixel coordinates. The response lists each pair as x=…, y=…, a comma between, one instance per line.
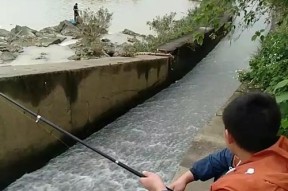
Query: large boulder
x=23, y=31
x=47, y=41
x=48, y=31
x=4, y=33
x=24, y=42
x=66, y=28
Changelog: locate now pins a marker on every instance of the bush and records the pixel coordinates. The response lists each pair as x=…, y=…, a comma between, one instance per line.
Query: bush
x=93, y=26
x=269, y=69
x=167, y=28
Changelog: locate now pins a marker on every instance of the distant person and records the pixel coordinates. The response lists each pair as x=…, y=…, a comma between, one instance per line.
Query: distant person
x=76, y=12
x=251, y=125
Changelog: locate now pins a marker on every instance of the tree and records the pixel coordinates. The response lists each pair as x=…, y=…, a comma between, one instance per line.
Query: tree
x=249, y=10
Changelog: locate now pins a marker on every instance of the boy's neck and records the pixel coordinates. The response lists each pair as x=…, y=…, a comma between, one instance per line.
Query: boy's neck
x=243, y=155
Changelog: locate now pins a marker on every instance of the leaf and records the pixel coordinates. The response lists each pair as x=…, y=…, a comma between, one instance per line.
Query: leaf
x=280, y=85
x=254, y=37
x=282, y=97
x=284, y=123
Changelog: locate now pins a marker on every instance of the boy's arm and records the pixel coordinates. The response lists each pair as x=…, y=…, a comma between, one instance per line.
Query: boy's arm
x=212, y=166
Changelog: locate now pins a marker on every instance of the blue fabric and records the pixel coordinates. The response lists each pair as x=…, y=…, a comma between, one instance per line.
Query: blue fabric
x=213, y=166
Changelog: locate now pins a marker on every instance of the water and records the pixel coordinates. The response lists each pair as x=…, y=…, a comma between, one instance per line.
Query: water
x=154, y=135
x=38, y=14
x=131, y=14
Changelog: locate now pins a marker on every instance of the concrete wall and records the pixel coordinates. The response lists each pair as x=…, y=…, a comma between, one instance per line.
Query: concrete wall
x=188, y=54
x=71, y=97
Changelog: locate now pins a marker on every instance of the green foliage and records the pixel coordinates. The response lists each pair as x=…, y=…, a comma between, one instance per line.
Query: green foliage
x=269, y=69
x=269, y=66
x=167, y=28
x=281, y=93
x=93, y=25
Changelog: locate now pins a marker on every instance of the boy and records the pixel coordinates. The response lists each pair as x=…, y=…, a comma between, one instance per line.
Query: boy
x=251, y=123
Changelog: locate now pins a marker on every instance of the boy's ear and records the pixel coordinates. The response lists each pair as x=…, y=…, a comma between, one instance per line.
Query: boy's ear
x=229, y=137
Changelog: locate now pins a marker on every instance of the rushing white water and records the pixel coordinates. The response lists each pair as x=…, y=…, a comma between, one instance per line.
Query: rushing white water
x=154, y=135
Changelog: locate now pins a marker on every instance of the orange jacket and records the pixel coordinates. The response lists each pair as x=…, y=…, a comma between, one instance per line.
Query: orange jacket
x=265, y=171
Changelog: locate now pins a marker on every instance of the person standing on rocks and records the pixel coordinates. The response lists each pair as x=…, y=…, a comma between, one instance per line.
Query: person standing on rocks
x=76, y=12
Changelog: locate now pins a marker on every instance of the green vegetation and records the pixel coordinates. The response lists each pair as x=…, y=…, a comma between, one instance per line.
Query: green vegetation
x=269, y=67
x=167, y=28
x=93, y=25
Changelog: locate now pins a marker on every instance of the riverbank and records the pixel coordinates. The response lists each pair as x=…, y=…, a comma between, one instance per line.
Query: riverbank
x=90, y=38
x=25, y=46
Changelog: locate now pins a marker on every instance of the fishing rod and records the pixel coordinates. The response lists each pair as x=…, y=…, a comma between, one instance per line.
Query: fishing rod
x=40, y=118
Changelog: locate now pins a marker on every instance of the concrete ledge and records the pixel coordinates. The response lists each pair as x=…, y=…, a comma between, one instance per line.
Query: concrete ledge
x=188, y=52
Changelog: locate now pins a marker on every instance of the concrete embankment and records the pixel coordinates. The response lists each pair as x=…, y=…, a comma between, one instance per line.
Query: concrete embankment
x=74, y=95
x=80, y=97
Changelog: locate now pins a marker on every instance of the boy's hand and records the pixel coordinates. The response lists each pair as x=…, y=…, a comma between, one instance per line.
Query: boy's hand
x=178, y=185
x=181, y=183
x=152, y=182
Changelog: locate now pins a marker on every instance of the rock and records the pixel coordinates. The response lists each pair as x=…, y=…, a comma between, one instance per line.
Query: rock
x=8, y=56
x=67, y=28
x=105, y=40
x=48, y=31
x=25, y=42
x=16, y=49
x=43, y=56
x=47, y=41
x=120, y=49
x=74, y=57
x=129, y=32
x=132, y=40
x=132, y=33
x=4, y=33
x=23, y=31
x=4, y=47
x=109, y=49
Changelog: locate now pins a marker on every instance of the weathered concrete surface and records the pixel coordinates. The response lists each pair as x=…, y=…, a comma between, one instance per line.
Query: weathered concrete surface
x=208, y=140
x=73, y=95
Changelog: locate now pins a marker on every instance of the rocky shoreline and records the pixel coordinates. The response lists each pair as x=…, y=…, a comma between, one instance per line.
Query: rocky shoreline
x=12, y=43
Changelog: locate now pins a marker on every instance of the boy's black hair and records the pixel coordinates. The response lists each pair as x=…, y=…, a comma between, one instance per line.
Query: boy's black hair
x=253, y=120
